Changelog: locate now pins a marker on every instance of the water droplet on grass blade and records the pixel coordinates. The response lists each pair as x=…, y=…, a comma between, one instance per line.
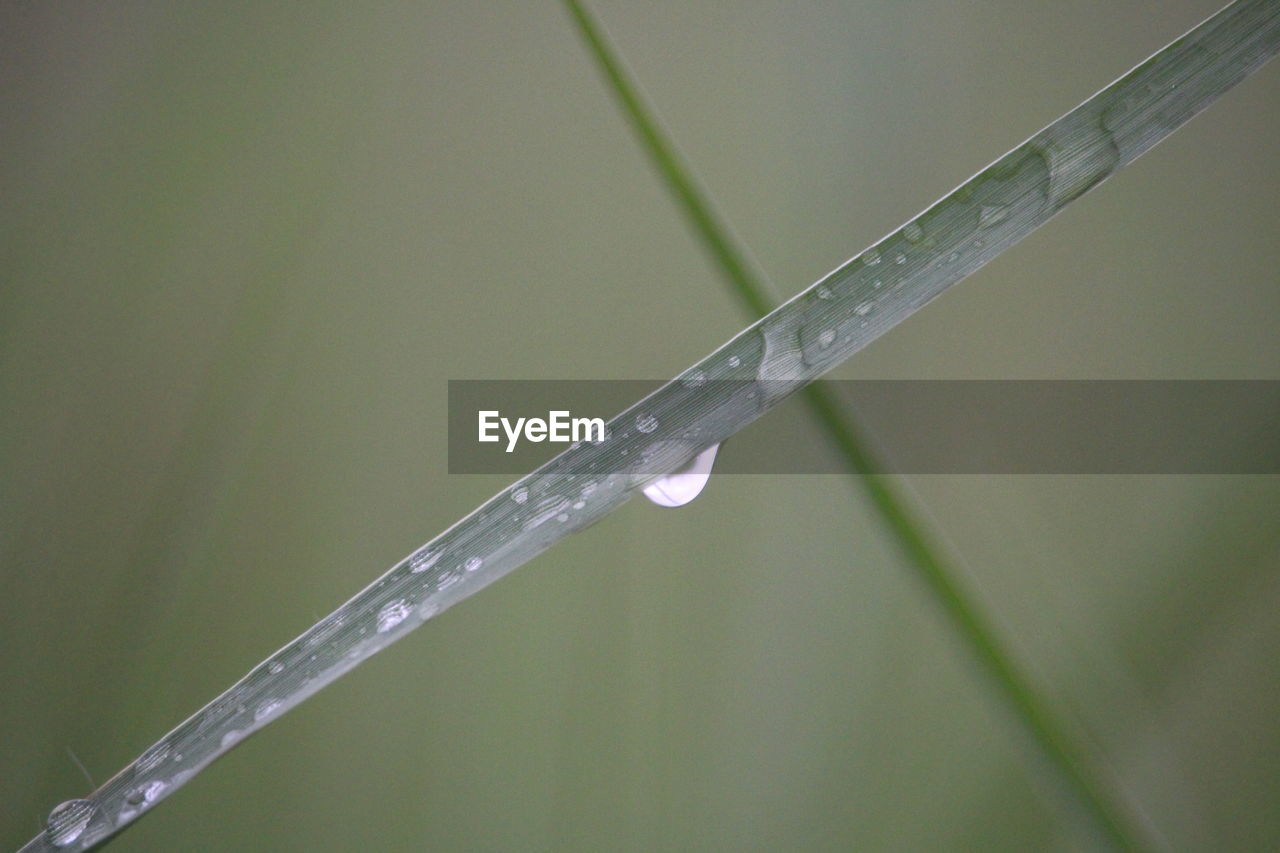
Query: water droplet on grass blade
x=424, y=560
x=392, y=614
x=646, y=423
x=684, y=484
x=694, y=379
x=68, y=821
x=145, y=795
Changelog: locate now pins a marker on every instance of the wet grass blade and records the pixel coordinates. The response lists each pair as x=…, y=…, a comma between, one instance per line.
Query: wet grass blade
x=767, y=361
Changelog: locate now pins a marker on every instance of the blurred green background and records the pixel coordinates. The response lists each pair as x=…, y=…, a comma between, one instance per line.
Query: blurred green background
x=244, y=246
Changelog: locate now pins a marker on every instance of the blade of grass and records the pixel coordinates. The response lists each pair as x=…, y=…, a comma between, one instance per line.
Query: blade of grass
x=763, y=364
x=916, y=543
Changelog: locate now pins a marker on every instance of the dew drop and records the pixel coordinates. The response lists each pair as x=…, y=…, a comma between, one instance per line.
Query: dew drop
x=68, y=821
x=878, y=284
x=423, y=561
x=827, y=338
x=900, y=258
x=646, y=423
x=276, y=667
x=990, y=214
x=864, y=309
x=473, y=563
x=153, y=757
x=734, y=361
x=824, y=292
x=519, y=494
x=427, y=609
x=913, y=232
x=231, y=738
x=871, y=257
x=694, y=379
x=145, y=795
x=684, y=484
x=267, y=710
x=447, y=580
x=579, y=504
x=545, y=510
x=392, y=614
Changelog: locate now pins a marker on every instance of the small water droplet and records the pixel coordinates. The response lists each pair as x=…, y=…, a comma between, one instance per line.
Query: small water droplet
x=153, y=757
x=392, y=614
x=231, y=738
x=267, y=710
x=68, y=821
x=646, y=423
x=519, y=494
x=824, y=292
x=871, y=257
x=877, y=284
x=579, y=504
x=734, y=361
x=422, y=561
x=913, y=232
x=145, y=795
x=990, y=214
x=427, y=609
x=900, y=258
x=864, y=309
x=827, y=338
x=448, y=579
x=684, y=484
x=275, y=668
x=545, y=510
x=562, y=517
x=694, y=379
x=473, y=563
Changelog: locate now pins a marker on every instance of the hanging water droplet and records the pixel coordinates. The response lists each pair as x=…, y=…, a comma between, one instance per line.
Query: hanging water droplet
x=734, y=361
x=913, y=232
x=422, y=561
x=447, y=580
x=826, y=338
x=473, y=563
x=231, y=738
x=68, y=821
x=871, y=257
x=694, y=379
x=864, y=309
x=684, y=484
x=900, y=258
x=427, y=609
x=392, y=614
x=877, y=284
x=646, y=423
x=990, y=214
x=275, y=668
x=823, y=292
x=519, y=494
x=579, y=504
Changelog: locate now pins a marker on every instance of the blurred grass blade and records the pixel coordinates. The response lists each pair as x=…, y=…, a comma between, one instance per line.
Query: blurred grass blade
x=765, y=363
x=916, y=543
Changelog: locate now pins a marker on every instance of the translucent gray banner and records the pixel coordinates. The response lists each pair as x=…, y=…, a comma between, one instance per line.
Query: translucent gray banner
x=916, y=426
